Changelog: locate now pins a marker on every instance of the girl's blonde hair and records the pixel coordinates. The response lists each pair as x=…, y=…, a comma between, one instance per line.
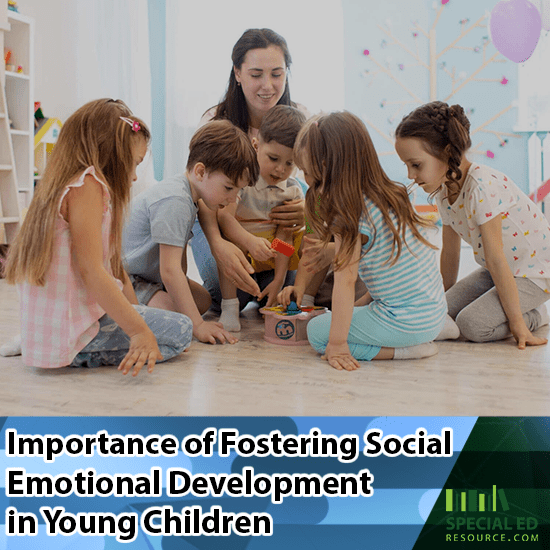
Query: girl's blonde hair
x=344, y=169
x=95, y=135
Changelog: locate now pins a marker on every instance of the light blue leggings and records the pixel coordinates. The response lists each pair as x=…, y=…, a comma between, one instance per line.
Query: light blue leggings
x=172, y=330
x=366, y=334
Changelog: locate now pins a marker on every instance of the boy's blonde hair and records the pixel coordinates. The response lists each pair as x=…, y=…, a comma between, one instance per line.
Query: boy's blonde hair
x=337, y=151
x=94, y=135
x=222, y=147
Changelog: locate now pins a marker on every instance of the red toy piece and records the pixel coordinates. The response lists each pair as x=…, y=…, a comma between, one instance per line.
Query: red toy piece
x=282, y=247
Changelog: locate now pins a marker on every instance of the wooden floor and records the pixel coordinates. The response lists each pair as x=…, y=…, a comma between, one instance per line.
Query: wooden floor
x=254, y=377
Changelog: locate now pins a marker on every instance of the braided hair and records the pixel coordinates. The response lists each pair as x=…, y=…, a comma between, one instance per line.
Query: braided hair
x=445, y=133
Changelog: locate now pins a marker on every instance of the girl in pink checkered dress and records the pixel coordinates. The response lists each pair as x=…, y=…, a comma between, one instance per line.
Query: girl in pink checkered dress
x=78, y=307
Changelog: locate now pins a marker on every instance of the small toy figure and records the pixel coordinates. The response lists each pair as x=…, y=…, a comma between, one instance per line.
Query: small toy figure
x=12, y=5
x=7, y=57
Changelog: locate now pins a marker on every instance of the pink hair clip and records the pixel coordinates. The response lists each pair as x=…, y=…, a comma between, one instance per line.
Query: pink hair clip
x=316, y=122
x=133, y=123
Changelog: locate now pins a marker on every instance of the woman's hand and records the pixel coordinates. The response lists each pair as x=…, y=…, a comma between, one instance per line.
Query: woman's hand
x=235, y=267
x=316, y=256
x=339, y=357
x=523, y=335
x=289, y=214
x=260, y=249
x=143, y=349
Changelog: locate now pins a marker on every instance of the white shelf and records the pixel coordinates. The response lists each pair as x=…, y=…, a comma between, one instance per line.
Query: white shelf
x=17, y=109
x=22, y=76
x=16, y=16
x=20, y=100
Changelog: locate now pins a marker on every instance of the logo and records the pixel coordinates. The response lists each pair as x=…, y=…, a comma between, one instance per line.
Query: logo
x=475, y=501
x=488, y=516
x=284, y=330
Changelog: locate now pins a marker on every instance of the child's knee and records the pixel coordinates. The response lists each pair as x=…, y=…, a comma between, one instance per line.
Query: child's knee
x=175, y=336
x=202, y=297
x=317, y=333
x=470, y=327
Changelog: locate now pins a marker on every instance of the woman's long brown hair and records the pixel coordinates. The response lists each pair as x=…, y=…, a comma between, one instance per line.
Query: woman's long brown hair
x=233, y=106
x=94, y=135
x=339, y=155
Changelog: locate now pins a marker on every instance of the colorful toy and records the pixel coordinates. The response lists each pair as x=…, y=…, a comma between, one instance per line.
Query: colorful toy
x=429, y=211
x=287, y=326
x=10, y=67
x=45, y=136
x=292, y=308
x=282, y=247
x=12, y=5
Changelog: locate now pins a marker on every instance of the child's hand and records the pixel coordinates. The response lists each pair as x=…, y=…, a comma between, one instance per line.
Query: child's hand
x=143, y=349
x=290, y=293
x=524, y=337
x=315, y=256
x=271, y=291
x=260, y=249
x=210, y=331
x=339, y=357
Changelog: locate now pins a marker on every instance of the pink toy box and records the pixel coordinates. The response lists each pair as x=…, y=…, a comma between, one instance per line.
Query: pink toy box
x=288, y=329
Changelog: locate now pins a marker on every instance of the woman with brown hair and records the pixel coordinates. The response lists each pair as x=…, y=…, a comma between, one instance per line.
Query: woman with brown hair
x=257, y=82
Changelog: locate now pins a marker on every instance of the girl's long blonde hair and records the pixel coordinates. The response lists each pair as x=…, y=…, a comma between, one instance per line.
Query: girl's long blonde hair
x=344, y=168
x=94, y=135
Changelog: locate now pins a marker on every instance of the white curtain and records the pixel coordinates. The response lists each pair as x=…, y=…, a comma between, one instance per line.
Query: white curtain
x=200, y=37
x=113, y=54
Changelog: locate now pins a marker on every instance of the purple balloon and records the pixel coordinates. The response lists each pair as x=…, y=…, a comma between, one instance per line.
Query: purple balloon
x=515, y=27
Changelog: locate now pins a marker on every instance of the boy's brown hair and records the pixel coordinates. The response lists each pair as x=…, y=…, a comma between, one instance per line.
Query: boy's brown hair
x=281, y=125
x=222, y=147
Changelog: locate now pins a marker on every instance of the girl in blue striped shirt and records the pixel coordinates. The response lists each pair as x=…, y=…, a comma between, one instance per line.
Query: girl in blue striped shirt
x=378, y=235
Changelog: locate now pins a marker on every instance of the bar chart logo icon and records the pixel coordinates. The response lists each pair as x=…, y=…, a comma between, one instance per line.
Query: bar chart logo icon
x=473, y=500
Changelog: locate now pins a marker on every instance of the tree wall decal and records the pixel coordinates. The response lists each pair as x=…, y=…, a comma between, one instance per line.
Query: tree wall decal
x=436, y=66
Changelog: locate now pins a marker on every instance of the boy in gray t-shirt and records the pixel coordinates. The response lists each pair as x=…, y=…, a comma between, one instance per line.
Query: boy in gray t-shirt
x=221, y=162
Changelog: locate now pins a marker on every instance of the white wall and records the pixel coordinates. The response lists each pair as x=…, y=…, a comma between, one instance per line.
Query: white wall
x=55, y=61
